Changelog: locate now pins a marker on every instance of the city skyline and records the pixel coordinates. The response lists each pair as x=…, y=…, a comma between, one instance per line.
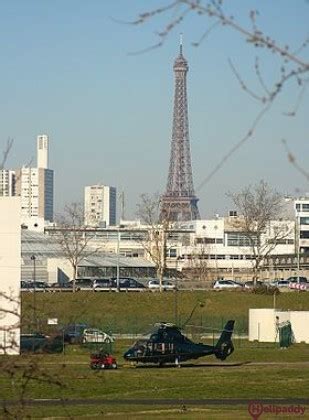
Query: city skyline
x=67, y=72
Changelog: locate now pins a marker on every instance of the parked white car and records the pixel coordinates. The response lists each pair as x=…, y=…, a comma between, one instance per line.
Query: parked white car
x=250, y=284
x=227, y=284
x=166, y=285
x=93, y=335
x=280, y=283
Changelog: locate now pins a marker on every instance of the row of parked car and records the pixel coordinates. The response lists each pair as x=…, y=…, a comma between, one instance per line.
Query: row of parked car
x=70, y=334
x=291, y=282
x=105, y=284
x=81, y=333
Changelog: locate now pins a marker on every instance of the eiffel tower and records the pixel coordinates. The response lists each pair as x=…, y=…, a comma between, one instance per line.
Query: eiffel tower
x=179, y=202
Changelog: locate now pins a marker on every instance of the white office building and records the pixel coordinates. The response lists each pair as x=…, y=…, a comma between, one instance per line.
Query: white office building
x=100, y=205
x=36, y=189
x=302, y=224
x=7, y=183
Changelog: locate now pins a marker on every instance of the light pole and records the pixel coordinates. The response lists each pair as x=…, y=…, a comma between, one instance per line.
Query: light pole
x=298, y=245
x=176, y=293
x=118, y=260
x=215, y=249
x=198, y=304
x=34, y=320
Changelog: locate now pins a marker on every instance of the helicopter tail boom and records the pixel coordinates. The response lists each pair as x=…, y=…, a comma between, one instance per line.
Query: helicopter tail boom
x=224, y=346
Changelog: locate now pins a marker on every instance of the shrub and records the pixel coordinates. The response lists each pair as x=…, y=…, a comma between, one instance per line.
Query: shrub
x=265, y=290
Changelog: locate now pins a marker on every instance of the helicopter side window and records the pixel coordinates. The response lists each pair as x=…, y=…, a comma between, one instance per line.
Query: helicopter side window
x=140, y=348
x=154, y=338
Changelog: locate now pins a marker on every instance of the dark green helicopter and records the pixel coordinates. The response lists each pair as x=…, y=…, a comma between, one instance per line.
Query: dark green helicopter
x=168, y=345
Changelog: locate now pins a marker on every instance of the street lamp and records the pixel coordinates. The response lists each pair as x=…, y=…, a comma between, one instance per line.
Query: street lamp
x=118, y=260
x=231, y=260
x=198, y=304
x=298, y=246
x=176, y=292
x=34, y=320
x=215, y=249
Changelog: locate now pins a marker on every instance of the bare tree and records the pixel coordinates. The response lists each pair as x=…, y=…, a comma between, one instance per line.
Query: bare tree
x=198, y=263
x=155, y=244
x=74, y=237
x=22, y=376
x=260, y=221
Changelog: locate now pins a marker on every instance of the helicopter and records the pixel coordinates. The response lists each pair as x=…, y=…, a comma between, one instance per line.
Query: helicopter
x=168, y=345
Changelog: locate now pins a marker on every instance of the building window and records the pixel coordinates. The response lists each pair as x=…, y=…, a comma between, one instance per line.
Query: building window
x=304, y=220
x=172, y=253
x=281, y=241
x=209, y=241
x=239, y=239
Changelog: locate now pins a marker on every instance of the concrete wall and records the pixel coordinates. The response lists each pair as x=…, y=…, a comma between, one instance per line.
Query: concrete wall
x=10, y=273
x=300, y=323
x=263, y=325
x=59, y=269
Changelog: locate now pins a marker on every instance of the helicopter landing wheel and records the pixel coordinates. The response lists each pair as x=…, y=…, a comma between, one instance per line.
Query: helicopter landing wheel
x=177, y=363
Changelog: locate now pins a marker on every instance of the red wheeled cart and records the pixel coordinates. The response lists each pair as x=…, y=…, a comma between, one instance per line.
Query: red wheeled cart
x=102, y=361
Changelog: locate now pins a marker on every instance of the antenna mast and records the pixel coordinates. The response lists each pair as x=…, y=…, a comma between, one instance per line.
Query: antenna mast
x=180, y=43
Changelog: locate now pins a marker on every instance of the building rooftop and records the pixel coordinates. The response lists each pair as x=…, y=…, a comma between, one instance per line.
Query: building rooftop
x=45, y=246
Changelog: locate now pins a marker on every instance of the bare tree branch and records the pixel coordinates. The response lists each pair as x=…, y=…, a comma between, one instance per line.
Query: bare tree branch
x=247, y=136
x=293, y=161
x=293, y=65
x=9, y=145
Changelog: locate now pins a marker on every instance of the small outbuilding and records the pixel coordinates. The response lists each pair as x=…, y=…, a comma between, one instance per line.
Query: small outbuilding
x=265, y=324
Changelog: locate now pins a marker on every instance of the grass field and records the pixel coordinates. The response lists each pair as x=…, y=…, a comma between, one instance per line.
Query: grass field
x=254, y=371
x=136, y=312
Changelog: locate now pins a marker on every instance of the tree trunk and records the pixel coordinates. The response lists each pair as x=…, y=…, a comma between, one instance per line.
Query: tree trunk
x=255, y=273
x=162, y=258
x=160, y=276
x=74, y=277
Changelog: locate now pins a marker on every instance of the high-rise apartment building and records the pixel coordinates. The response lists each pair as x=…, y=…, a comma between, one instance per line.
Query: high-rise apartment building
x=100, y=205
x=42, y=151
x=36, y=188
x=7, y=183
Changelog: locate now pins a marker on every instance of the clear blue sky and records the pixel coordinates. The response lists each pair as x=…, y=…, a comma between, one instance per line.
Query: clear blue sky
x=65, y=71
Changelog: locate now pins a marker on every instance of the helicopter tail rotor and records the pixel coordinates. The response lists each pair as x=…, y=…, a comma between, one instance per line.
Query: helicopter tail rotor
x=224, y=346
